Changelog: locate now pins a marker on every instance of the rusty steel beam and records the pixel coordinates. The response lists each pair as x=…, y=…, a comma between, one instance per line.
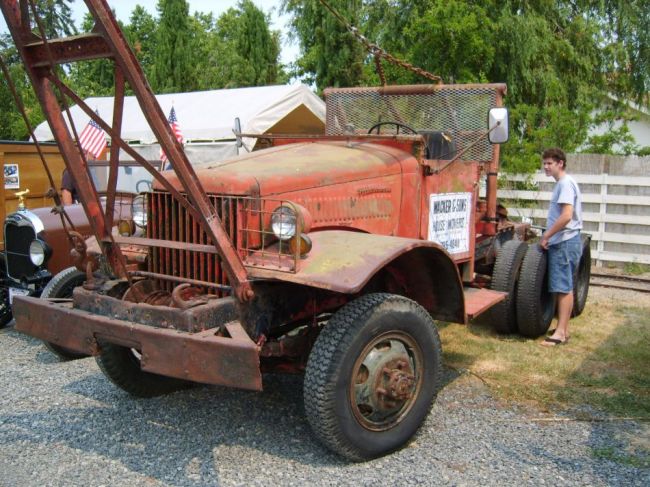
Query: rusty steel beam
x=118, y=110
x=40, y=57
x=83, y=47
x=208, y=218
x=18, y=22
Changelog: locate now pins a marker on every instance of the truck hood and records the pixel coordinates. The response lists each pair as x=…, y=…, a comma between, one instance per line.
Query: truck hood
x=296, y=167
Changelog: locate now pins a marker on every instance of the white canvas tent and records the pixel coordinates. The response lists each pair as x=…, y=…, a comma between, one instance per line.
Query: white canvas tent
x=206, y=119
x=208, y=116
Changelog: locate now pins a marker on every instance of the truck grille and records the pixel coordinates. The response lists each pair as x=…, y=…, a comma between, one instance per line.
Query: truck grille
x=168, y=220
x=19, y=234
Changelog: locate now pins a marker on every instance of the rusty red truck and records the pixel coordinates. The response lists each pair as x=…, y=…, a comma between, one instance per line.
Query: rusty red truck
x=332, y=255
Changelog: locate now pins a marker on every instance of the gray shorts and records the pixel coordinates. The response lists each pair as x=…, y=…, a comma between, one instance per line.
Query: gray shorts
x=563, y=260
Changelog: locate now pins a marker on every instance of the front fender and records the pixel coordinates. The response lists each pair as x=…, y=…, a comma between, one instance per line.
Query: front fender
x=345, y=262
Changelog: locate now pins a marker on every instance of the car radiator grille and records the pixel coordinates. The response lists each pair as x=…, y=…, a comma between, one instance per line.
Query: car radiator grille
x=19, y=234
x=168, y=220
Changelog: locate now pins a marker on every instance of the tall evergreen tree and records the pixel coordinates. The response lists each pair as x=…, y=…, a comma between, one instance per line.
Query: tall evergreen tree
x=141, y=35
x=174, y=61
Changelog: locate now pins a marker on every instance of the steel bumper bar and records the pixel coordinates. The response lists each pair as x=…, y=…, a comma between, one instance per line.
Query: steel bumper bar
x=199, y=357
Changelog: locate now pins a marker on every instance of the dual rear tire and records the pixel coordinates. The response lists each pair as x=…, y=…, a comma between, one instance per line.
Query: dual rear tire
x=521, y=271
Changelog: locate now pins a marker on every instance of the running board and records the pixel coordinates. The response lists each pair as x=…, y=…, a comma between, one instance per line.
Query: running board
x=478, y=300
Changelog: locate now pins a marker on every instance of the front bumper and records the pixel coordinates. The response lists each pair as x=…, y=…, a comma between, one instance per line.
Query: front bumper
x=196, y=356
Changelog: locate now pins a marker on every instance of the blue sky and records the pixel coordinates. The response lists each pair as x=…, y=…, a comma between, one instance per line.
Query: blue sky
x=123, y=10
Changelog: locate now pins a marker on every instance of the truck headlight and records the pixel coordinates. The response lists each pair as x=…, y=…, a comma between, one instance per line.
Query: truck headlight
x=39, y=252
x=283, y=222
x=139, y=211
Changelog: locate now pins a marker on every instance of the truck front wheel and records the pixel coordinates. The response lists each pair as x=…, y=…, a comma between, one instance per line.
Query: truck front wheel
x=122, y=366
x=372, y=376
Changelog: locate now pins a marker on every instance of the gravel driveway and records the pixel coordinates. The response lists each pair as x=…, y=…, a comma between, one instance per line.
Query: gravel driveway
x=64, y=424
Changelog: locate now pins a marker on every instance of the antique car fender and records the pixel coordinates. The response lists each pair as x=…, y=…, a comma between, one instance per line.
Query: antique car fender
x=350, y=262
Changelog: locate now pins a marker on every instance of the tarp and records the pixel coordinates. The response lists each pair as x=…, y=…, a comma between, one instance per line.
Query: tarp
x=210, y=115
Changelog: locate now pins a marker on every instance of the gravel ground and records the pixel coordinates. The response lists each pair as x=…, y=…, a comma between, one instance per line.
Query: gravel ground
x=64, y=424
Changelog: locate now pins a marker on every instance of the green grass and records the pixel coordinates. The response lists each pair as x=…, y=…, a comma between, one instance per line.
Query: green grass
x=610, y=453
x=635, y=268
x=604, y=365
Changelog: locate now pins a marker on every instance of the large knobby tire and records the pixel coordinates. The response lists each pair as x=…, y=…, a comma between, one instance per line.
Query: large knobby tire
x=505, y=277
x=372, y=376
x=61, y=286
x=122, y=367
x=535, y=304
x=6, y=314
x=581, y=280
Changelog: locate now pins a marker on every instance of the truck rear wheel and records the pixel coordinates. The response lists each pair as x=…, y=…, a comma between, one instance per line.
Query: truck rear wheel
x=122, y=366
x=372, y=376
x=581, y=284
x=535, y=304
x=61, y=286
x=503, y=316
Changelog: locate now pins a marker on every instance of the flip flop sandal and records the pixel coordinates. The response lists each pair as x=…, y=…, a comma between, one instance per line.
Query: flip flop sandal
x=555, y=341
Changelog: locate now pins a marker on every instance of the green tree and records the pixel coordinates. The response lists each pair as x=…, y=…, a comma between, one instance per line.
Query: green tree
x=559, y=58
x=174, y=61
x=55, y=18
x=238, y=49
x=330, y=55
x=141, y=35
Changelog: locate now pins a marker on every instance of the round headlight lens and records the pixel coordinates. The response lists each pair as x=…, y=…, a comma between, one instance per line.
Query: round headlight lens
x=139, y=211
x=283, y=222
x=37, y=252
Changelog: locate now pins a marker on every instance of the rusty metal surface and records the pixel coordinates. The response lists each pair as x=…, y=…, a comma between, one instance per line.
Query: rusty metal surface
x=231, y=360
x=212, y=314
x=290, y=168
x=19, y=20
x=479, y=300
x=344, y=261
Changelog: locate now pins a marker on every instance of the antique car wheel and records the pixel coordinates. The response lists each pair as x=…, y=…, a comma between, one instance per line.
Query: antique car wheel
x=505, y=277
x=5, y=307
x=61, y=286
x=535, y=304
x=581, y=280
x=372, y=376
x=122, y=366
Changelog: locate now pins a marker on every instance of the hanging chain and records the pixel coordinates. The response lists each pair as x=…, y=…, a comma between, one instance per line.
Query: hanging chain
x=378, y=52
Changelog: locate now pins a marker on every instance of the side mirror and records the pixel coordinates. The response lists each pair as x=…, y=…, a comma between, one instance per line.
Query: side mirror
x=237, y=130
x=498, y=125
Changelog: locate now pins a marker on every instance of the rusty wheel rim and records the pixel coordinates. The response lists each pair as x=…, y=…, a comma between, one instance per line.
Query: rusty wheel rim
x=386, y=380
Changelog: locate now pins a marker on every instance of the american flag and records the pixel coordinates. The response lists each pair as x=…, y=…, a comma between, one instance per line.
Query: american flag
x=176, y=129
x=93, y=139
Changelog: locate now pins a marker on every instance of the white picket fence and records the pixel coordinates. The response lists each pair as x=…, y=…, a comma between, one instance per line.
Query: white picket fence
x=632, y=212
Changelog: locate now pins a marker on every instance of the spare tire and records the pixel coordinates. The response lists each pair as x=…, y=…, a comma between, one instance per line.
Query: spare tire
x=535, y=304
x=581, y=279
x=505, y=277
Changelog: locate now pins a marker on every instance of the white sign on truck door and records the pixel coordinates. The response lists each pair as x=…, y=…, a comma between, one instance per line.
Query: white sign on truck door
x=449, y=220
